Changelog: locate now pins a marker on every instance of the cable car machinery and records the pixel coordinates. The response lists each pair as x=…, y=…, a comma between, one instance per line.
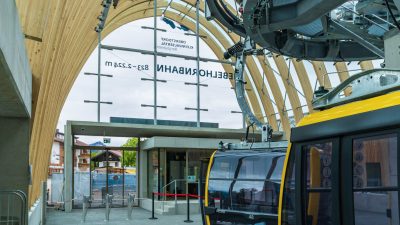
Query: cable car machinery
x=320, y=30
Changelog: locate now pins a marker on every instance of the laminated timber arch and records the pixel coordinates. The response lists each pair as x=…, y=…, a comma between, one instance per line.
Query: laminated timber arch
x=62, y=37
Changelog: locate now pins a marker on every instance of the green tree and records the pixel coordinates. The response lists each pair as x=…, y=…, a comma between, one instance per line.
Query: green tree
x=129, y=158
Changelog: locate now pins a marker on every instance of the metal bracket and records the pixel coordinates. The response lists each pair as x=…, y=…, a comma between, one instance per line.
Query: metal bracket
x=240, y=83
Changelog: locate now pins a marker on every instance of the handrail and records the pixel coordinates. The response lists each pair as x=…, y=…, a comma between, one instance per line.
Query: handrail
x=23, y=200
x=164, y=190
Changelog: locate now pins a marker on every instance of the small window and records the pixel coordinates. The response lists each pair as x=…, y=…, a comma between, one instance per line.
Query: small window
x=374, y=178
x=318, y=161
x=375, y=186
x=224, y=167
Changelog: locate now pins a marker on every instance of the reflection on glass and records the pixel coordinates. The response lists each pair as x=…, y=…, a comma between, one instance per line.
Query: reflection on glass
x=153, y=173
x=375, y=166
x=218, y=194
x=289, y=193
x=319, y=182
x=256, y=196
x=246, y=182
x=375, y=162
x=254, y=167
x=224, y=167
x=376, y=208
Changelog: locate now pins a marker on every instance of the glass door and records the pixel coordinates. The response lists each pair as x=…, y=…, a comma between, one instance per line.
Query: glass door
x=98, y=175
x=129, y=163
x=176, y=171
x=81, y=180
x=317, y=169
x=115, y=177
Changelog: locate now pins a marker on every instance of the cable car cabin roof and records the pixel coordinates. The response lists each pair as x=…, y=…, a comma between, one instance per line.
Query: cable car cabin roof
x=374, y=113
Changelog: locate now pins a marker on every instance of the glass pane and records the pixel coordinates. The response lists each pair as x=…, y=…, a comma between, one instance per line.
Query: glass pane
x=129, y=164
x=153, y=172
x=375, y=166
x=319, y=160
x=218, y=194
x=376, y=208
x=254, y=167
x=277, y=170
x=375, y=161
x=255, y=196
x=115, y=176
x=81, y=179
x=224, y=167
x=319, y=182
x=288, y=203
x=99, y=179
x=176, y=171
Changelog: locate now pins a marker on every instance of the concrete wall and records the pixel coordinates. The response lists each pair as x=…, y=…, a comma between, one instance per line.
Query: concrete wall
x=14, y=160
x=14, y=151
x=143, y=170
x=15, y=109
x=15, y=72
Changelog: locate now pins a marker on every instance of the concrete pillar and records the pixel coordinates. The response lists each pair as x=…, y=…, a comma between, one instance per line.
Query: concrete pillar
x=68, y=167
x=143, y=170
x=14, y=164
x=14, y=151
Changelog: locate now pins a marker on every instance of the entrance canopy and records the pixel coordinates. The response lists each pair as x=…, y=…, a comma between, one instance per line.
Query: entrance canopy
x=140, y=130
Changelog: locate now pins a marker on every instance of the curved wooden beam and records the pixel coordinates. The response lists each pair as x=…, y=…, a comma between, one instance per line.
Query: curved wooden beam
x=366, y=65
x=322, y=74
x=305, y=83
x=288, y=82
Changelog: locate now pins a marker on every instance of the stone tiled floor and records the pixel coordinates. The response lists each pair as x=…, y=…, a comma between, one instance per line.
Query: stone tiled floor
x=118, y=216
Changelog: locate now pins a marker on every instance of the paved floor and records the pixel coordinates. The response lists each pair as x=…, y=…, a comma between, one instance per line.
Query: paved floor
x=118, y=216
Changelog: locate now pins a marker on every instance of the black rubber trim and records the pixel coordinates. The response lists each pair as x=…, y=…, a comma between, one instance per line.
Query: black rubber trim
x=383, y=118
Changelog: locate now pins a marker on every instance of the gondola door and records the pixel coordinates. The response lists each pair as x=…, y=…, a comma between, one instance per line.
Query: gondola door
x=317, y=170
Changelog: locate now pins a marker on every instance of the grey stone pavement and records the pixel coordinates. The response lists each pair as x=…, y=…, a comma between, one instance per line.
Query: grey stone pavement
x=117, y=216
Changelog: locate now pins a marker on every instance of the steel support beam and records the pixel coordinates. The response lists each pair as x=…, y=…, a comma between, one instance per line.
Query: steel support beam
x=379, y=52
x=163, y=54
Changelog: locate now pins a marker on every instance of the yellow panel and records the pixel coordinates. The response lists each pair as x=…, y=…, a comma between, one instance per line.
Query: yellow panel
x=353, y=108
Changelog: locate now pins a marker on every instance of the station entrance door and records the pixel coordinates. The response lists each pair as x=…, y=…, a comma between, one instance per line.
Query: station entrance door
x=98, y=172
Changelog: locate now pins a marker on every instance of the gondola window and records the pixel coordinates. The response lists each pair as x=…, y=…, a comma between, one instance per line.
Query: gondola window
x=375, y=185
x=318, y=161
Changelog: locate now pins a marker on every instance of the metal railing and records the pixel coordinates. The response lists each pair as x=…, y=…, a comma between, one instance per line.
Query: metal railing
x=13, y=207
x=86, y=201
x=164, y=190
